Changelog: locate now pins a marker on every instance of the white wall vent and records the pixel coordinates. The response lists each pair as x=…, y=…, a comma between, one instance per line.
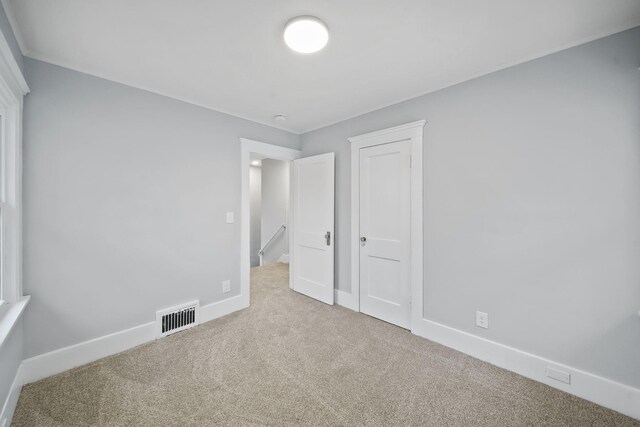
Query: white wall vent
x=178, y=318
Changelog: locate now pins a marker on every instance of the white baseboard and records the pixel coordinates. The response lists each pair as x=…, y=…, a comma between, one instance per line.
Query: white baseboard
x=605, y=392
x=9, y=407
x=221, y=308
x=57, y=361
x=619, y=397
x=284, y=258
x=345, y=299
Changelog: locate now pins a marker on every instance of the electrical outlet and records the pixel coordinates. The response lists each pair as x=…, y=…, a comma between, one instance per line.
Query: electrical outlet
x=226, y=286
x=561, y=376
x=230, y=218
x=482, y=320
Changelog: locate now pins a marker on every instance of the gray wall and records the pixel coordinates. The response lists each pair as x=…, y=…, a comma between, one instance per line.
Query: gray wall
x=125, y=194
x=255, y=190
x=532, y=203
x=274, y=207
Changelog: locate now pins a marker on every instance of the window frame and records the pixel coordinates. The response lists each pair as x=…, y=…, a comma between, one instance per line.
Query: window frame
x=13, y=87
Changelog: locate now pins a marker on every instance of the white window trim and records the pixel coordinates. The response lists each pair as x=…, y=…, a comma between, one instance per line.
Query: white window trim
x=13, y=87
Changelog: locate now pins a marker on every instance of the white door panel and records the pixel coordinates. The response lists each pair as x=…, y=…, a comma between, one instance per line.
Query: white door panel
x=385, y=226
x=313, y=216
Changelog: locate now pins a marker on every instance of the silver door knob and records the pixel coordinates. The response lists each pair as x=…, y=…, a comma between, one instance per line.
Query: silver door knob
x=363, y=239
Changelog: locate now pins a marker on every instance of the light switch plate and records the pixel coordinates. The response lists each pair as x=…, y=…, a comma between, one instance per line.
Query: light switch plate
x=230, y=219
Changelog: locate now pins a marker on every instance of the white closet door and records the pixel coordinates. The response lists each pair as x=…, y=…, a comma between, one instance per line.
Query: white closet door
x=385, y=226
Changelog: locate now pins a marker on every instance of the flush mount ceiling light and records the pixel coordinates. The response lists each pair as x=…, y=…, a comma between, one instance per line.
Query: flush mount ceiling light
x=306, y=34
x=280, y=118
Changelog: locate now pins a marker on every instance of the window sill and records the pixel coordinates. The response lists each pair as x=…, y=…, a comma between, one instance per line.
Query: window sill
x=11, y=316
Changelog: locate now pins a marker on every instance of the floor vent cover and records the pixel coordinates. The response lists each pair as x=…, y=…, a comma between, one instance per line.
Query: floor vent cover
x=178, y=318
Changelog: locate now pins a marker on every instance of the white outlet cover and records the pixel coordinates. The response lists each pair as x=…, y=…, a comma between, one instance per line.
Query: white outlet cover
x=230, y=218
x=226, y=286
x=559, y=375
x=482, y=320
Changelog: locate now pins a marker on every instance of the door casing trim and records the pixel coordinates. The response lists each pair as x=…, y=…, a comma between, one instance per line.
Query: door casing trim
x=413, y=131
x=248, y=147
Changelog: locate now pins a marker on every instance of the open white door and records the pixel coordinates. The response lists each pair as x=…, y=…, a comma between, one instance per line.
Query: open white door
x=313, y=216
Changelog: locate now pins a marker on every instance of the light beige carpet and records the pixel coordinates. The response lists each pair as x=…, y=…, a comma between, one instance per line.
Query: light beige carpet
x=290, y=360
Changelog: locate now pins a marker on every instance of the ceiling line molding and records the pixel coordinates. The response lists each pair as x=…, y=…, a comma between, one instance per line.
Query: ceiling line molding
x=13, y=71
x=62, y=64
x=13, y=23
x=504, y=66
x=307, y=123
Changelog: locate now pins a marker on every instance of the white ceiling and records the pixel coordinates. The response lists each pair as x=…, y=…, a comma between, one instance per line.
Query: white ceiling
x=229, y=55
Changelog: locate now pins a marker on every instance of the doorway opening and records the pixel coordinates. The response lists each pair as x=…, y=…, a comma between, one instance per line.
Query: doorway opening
x=269, y=181
x=296, y=211
x=266, y=201
x=269, y=210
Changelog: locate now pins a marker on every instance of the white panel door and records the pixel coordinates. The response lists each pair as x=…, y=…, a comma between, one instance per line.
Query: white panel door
x=313, y=237
x=385, y=226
